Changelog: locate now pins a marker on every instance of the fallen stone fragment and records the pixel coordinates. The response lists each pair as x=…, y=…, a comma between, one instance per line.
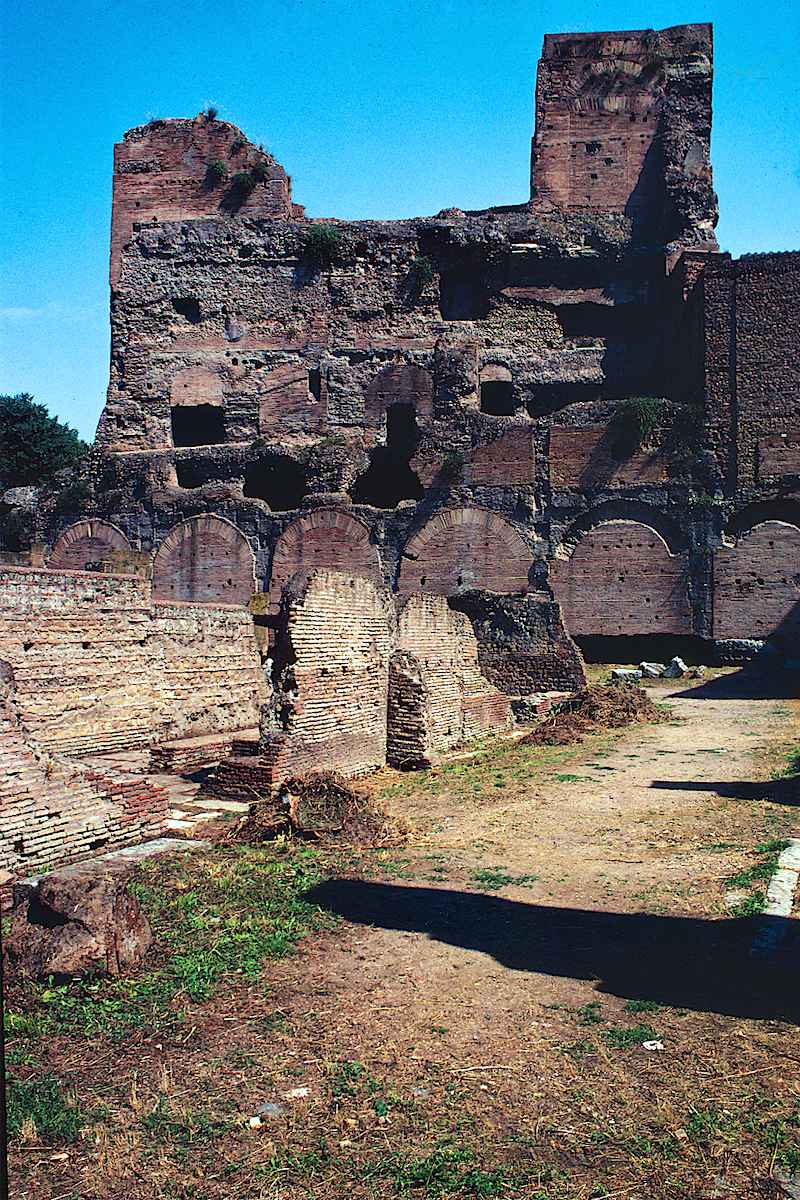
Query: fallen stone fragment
x=651, y=670
x=676, y=669
x=76, y=923
x=628, y=674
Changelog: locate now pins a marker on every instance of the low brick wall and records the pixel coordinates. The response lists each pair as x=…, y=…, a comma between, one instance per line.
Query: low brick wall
x=523, y=646
x=55, y=811
x=98, y=667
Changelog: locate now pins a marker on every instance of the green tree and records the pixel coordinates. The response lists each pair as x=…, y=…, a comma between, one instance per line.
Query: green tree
x=32, y=443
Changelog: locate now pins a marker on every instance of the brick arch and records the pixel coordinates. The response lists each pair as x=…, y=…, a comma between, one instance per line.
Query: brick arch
x=326, y=538
x=622, y=580
x=399, y=383
x=86, y=542
x=757, y=579
x=204, y=560
x=632, y=511
x=746, y=519
x=465, y=548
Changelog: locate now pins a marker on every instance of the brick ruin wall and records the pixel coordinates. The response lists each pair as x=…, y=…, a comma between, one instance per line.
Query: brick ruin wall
x=523, y=645
x=331, y=675
x=354, y=686
x=98, y=666
x=458, y=426
x=439, y=697
x=634, y=584
x=53, y=810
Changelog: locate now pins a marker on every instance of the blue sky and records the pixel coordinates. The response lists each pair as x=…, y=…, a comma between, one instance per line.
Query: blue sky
x=375, y=110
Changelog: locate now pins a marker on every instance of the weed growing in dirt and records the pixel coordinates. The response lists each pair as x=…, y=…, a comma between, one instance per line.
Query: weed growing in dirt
x=447, y=1169
x=490, y=879
x=218, y=915
x=757, y=873
x=620, y=1037
x=590, y=1014
x=39, y=1108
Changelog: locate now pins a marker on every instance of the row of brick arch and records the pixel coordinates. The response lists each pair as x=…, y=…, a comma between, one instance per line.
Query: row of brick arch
x=620, y=571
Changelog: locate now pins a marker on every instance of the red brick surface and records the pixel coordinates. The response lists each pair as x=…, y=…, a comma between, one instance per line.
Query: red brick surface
x=465, y=548
x=325, y=538
x=204, y=560
x=757, y=584
x=86, y=542
x=622, y=579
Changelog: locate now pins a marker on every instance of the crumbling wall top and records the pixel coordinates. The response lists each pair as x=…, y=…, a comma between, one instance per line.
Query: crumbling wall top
x=173, y=170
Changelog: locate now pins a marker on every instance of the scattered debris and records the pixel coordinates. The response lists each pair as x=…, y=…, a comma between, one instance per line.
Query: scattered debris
x=602, y=706
x=322, y=806
x=675, y=669
x=651, y=670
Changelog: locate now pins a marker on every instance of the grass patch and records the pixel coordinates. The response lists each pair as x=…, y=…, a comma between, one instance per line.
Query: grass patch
x=39, y=1109
x=620, y=1037
x=491, y=879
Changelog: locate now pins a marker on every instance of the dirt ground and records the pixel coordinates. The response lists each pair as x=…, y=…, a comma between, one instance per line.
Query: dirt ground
x=614, y=865
x=499, y=974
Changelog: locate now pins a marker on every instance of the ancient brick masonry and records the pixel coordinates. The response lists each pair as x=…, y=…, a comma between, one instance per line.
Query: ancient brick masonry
x=53, y=810
x=354, y=686
x=449, y=404
x=99, y=667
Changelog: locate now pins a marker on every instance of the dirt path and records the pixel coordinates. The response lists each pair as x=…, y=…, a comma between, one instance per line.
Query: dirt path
x=598, y=880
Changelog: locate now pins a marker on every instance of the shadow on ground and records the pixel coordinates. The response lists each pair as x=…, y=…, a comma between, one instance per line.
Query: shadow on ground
x=705, y=965
x=749, y=683
x=776, y=791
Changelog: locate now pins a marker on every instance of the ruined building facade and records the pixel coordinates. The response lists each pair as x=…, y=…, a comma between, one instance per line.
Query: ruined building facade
x=577, y=401
x=444, y=404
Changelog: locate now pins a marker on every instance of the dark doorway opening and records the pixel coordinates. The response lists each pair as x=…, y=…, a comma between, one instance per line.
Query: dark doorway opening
x=279, y=481
x=497, y=398
x=198, y=425
x=401, y=424
x=388, y=480
x=652, y=647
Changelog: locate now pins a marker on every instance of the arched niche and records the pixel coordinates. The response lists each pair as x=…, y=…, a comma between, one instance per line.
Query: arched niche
x=403, y=392
x=757, y=577
x=326, y=538
x=465, y=548
x=204, y=560
x=621, y=580
x=85, y=545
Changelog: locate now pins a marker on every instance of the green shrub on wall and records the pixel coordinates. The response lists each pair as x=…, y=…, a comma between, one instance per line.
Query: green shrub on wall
x=637, y=416
x=243, y=183
x=422, y=270
x=321, y=244
x=216, y=172
x=452, y=468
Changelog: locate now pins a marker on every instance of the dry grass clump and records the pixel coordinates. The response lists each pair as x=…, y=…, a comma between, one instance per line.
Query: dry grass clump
x=322, y=806
x=602, y=706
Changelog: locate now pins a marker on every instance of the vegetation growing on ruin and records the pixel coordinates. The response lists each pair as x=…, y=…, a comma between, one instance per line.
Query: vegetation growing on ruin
x=216, y=172
x=452, y=468
x=259, y=170
x=321, y=244
x=638, y=416
x=422, y=270
x=243, y=182
x=33, y=445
